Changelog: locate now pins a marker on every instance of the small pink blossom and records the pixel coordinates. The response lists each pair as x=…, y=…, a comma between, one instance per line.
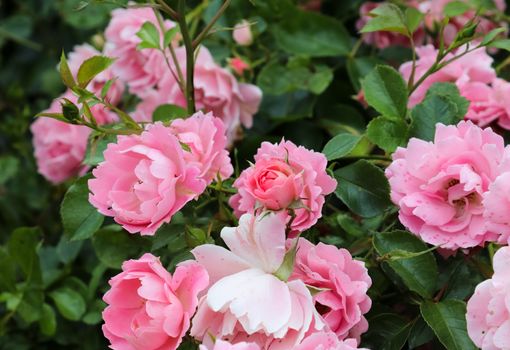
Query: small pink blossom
x=439, y=186
x=242, y=33
x=345, y=281
x=475, y=66
x=246, y=301
x=148, y=308
x=327, y=341
x=144, y=180
x=217, y=91
x=238, y=65
x=223, y=345
x=488, y=310
x=205, y=136
x=283, y=175
x=79, y=55
x=140, y=69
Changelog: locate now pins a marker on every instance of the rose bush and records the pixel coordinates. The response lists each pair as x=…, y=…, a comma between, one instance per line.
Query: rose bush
x=262, y=175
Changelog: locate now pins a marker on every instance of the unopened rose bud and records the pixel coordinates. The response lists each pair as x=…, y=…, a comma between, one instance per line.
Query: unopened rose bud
x=242, y=33
x=238, y=65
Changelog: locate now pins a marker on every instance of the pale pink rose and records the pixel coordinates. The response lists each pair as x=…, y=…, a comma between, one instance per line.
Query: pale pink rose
x=285, y=175
x=345, y=281
x=144, y=180
x=496, y=202
x=217, y=91
x=500, y=93
x=223, y=345
x=327, y=341
x=148, y=308
x=145, y=108
x=246, y=301
x=483, y=107
x=242, y=33
x=439, y=186
x=60, y=147
x=475, y=66
x=238, y=65
x=83, y=52
x=383, y=39
x=488, y=310
x=140, y=69
x=205, y=136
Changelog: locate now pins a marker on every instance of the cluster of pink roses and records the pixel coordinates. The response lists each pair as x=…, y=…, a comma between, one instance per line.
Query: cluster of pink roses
x=453, y=192
x=237, y=298
x=475, y=78
x=434, y=12
x=146, y=74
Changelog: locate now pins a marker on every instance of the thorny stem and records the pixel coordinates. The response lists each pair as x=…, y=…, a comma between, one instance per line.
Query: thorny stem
x=190, y=59
x=209, y=26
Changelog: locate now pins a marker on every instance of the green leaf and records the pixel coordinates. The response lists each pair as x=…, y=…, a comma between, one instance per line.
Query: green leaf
x=386, y=17
x=70, y=111
x=434, y=109
x=65, y=72
x=113, y=246
x=68, y=250
x=386, y=91
x=149, y=35
x=359, y=67
x=451, y=91
x=8, y=275
x=363, y=188
x=448, y=321
x=170, y=35
x=387, y=332
x=420, y=334
x=413, y=19
x=489, y=37
x=456, y=8
x=69, y=303
x=388, y=133
x=167, y=112
x=501, y=44
x=320, y=79
x=91, y=67
x=340, y=145
x=79, y=218
x=8, y=168
x=97, y=144
x=106, y=87
x=22, y=247
x=419, y=273
x=48, y=321
x=311, y=34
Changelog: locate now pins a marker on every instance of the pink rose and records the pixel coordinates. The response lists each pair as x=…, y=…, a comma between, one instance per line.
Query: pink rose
x=59, y=147
x=148, y=308
x=383, y=39
x=140, y=69
x=475, y=66
x=242, y=33
x=496, y=202
x=246, y=301
x=217, y=91
x=144, y=180
x=285, y=174
x=439, y=186
x=83, y=52
x=223, y=345
x=488, y=310
x=327, y=341
x=345, y=281
x=205, y=136
x=238, y=65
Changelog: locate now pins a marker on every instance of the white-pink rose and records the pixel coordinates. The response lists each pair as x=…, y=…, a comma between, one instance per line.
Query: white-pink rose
x=242, y=33
x=327, y=341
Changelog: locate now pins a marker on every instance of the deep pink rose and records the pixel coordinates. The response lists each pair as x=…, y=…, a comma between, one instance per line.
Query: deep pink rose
x=242, y=33
x=285, y=174
x=238, y=65
x=488, y=310
x=205, y=136
x=223, y=345
x=144, y=180
x=140, y=69
x=327, y=341
x=246, y=301
x=83, y=52
x=345, y=281
x=383, y=39
x=217, y=91
x=439, y=186
x=148, y=308
x=475, y=66
x=59, y=147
